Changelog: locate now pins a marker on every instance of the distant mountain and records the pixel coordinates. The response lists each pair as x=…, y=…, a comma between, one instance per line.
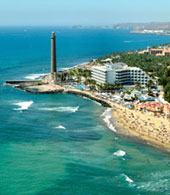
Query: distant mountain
x=165, y=26
x=144, y=26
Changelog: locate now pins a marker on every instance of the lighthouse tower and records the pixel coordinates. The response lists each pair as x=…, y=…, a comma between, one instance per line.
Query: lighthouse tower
x=53, y=59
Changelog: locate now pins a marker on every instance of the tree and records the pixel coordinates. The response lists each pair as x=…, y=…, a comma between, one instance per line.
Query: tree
x=64, y=76
x=99, y=87
x=167, y=73
x=167, y=92
x=163, y=81
x=150, y=84
x=92, y=87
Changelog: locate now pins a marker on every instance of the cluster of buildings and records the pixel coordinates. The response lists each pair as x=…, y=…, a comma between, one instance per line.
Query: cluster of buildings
x=157, y=52
x=119, y=73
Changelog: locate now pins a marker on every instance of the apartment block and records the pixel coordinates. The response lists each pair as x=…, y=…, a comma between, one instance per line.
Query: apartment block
x=121, y=73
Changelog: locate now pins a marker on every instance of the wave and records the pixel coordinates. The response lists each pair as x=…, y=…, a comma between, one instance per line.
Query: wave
x=155, y=182
x=86, y=98
x=107, y=116
x=127, y=178
x=35, y=76
x=23, y=105
x=62, y=109
x=60, y=127
x=62, y=69
x=97, y=103
x=119, y=153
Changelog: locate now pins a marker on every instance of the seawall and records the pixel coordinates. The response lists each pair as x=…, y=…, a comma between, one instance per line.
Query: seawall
x=18, y=82
x=90, y=96
x=33, y=87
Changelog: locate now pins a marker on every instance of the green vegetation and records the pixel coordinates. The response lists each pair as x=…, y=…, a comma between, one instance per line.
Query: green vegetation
x=164, y=80
x=158, y=67
x=109, y=87
x=155, y=66
x=80, y=72
x=167, y=92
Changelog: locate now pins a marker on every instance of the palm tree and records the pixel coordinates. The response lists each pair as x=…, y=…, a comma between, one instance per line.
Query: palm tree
x=92, y=87
x=150, y=84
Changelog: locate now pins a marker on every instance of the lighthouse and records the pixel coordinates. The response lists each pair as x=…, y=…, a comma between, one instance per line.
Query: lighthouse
x=53, y=59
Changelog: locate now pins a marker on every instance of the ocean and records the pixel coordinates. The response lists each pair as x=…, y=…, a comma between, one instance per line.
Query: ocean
x=60, y=144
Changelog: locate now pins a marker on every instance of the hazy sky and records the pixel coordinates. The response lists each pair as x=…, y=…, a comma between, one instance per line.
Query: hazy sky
x=85, y=12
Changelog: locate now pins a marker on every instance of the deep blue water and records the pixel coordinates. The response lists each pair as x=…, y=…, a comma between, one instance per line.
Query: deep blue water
x=59, y=145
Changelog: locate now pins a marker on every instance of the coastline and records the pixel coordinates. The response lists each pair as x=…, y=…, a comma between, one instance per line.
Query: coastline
x=149, y=129
x=149, y=33
x=144, y=127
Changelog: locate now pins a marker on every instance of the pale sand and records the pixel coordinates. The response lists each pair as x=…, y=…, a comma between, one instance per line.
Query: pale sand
x=154, y=130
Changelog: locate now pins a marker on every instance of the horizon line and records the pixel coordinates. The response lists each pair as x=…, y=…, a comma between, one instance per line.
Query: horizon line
x=77, y=25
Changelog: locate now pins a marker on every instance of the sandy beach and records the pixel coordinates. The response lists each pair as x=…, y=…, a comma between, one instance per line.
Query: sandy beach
x=151, y=129
x=154, y=130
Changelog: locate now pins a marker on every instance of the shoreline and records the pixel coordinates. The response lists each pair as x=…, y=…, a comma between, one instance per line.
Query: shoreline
x=122, y=120
x=132, y=124
x=149, y=33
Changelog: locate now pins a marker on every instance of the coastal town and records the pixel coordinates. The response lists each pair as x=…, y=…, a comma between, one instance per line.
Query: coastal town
x=135, y=95
x=85, y=97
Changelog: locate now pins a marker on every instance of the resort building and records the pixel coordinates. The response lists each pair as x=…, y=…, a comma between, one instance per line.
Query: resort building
x=120, y=73
x=157, y=52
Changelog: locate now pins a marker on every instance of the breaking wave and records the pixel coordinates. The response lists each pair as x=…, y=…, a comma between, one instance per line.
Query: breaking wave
x=62, y=69
x=60, y=127
x=35, y=76
x=97, y=103
x=119, y=153
x=107, y=116
x=23, y=105
x=127, y=178
x=62, y=109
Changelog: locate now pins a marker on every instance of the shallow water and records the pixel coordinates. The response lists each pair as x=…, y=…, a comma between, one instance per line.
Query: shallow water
x=59, y=144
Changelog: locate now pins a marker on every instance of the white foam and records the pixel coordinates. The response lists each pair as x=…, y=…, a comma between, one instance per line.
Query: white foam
x=23, y=105
x=159, y=181
x=62, y=109
x=86, y=98
x=128, y=179
x=60, y=127
x=62, y=69
x=107, y=116
x=97, y=103
x=35, y=76
x=119, y=153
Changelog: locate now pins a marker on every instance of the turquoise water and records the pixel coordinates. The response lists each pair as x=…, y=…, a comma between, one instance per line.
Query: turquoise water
x=59, y=144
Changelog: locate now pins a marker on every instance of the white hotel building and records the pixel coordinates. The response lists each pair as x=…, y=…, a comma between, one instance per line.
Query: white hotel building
x=119, y=72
